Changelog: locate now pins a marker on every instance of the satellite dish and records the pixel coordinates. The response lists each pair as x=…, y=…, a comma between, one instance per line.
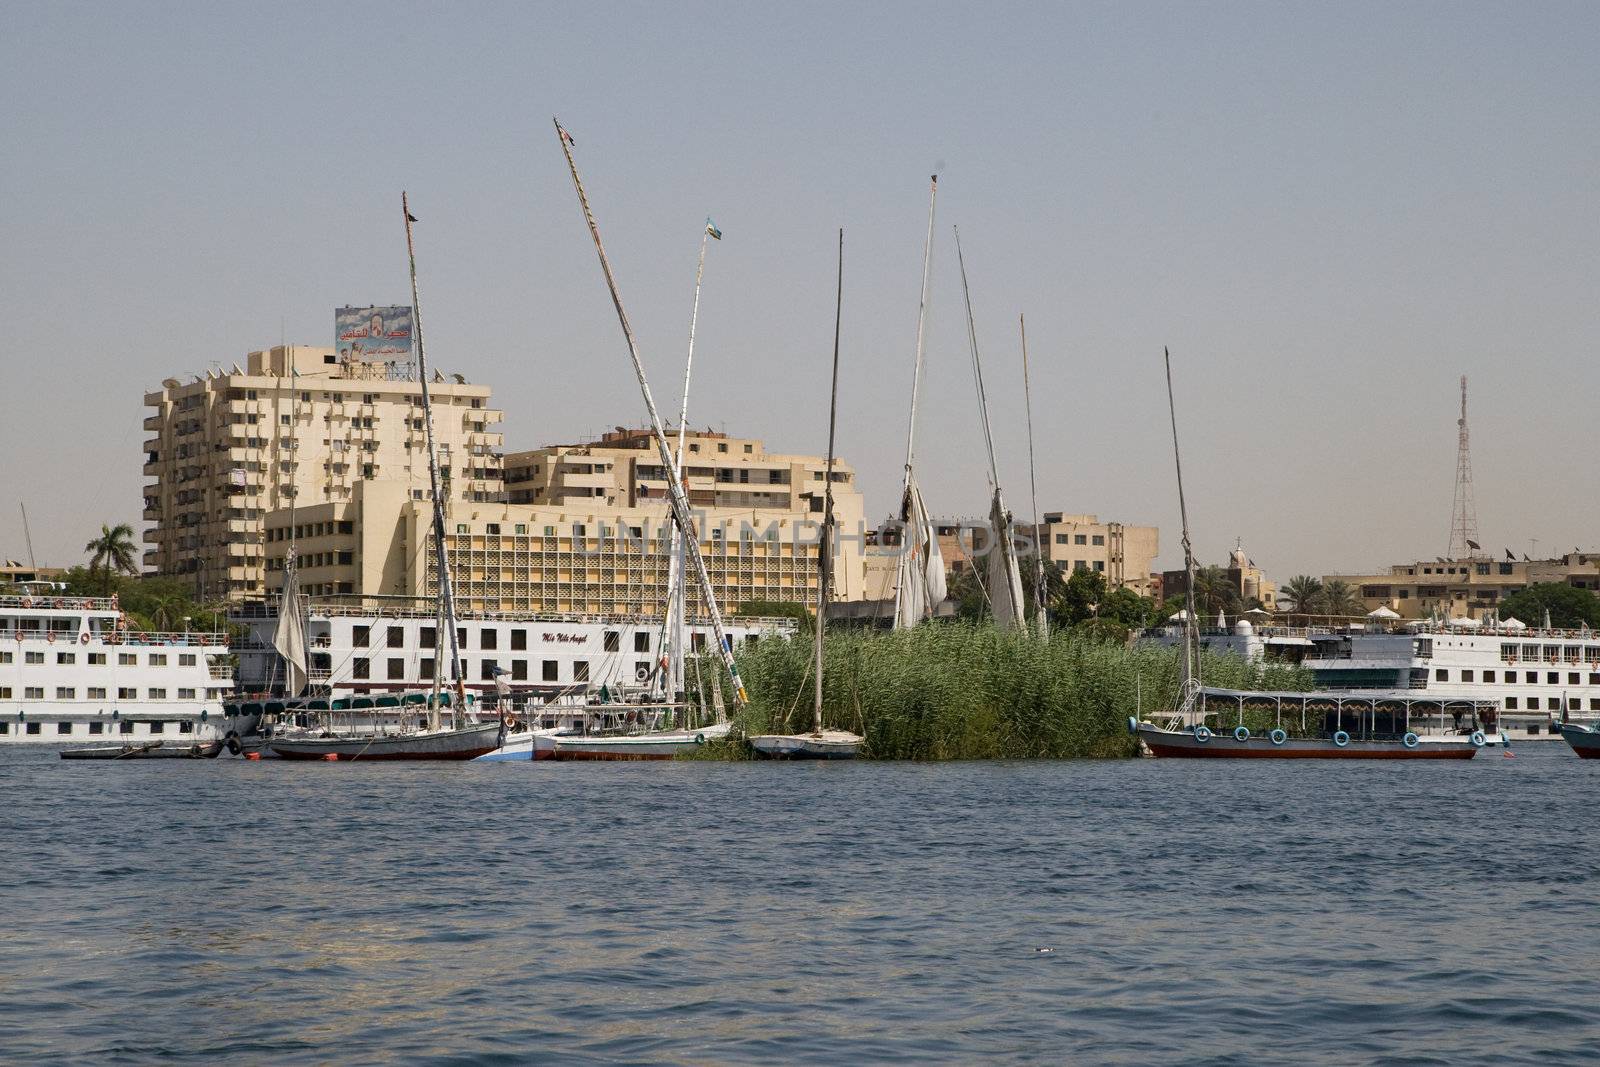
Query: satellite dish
x=460, y=379
x=170, y=383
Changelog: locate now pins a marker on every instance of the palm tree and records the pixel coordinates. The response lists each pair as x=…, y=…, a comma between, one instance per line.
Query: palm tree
x=1338, y=598
x=1304, y=594
x=112, y=552
x=1214, y=592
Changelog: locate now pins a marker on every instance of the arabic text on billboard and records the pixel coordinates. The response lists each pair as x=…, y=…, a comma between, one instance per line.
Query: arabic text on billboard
x=374, y=334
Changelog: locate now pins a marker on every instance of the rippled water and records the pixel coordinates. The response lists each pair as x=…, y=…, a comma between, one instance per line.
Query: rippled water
x=1194, y=912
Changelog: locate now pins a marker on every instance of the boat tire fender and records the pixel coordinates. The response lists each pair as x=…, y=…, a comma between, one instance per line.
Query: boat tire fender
x=1410, y=740
x=1241, y=733
x=1133, y=725
x=1202, y=734
x=699, y=739
x=1341, y=738
x=1477, y=739
x=1278, y=736
x=234, y=747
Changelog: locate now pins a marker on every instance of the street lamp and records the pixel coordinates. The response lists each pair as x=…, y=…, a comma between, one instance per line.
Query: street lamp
x=186, y=626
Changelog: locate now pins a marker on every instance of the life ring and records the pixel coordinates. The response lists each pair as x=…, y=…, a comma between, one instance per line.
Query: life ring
x=641, y=673
x=1241, y=732
x=234, y=747
x=1410, y=740
x=83, y=639
x=27, y=601
x=1133, y=725
x=59, y=604
x=1477, y=739
x=1341, y=738
x=50, y=636
x=1202, y=734
x=17, y=633
x=699, y=739
x=1278, y=736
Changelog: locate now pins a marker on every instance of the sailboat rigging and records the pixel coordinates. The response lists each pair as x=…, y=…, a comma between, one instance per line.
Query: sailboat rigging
x=1004, y=587
x=820, y=743
x=1041, y=612
x=919, y=585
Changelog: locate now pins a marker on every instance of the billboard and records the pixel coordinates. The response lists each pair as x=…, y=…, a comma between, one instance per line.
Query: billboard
x=375, y=334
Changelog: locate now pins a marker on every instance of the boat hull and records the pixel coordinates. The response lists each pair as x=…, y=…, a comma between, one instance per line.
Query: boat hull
x=664, y=745
x=465, y=744
x=1584, y=740
x=194, y=750
x=1183, y=744
x=830, y=744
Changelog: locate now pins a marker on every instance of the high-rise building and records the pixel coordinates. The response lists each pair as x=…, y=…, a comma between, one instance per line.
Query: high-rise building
x=298, y=426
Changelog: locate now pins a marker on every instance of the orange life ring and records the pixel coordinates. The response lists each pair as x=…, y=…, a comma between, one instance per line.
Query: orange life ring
x=83, y=639
x=59, y=604
x=27, y=601
x=17, y=633
x=50, y=637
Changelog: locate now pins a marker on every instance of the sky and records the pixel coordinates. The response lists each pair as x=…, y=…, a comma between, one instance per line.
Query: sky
x=1328, y=212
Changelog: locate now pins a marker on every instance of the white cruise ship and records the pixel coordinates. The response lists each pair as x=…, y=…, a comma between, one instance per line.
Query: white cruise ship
x=362, y=650
x=72, y=670
x=1537, y=676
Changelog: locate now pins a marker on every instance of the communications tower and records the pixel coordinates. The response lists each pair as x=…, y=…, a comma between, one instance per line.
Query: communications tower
x=1464, y=518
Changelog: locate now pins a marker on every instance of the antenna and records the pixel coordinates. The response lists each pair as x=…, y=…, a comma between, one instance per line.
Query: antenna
x=1464, y=513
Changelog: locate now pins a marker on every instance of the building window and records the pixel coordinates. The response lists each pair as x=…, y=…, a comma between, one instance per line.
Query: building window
x=360, y=636
x=1080, y=539
x=488, y=638
x=397, y=637
x=548, y=670
x=361, y=667
x=1098, y=539
x=519, y=640
x=641, y=641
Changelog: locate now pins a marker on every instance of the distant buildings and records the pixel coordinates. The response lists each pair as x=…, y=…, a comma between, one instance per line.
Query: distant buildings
x=1241, y=575
x=1119, y=551
x=15, y=573
x=1466, y=588
x=298, y=425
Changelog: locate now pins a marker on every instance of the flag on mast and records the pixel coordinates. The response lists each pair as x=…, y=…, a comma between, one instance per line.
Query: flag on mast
x=711, y=229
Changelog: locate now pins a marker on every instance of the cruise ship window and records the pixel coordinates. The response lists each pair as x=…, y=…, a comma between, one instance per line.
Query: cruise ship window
x=613, y=640
x=33, y=692
x=397, y=669
x=1552, y=677
x=361, y=667
x=488, y=669
x=1572, y=678
x=5, y=692
x=33, y=728
x=548, y=670
x=186, y=659
x=426, y=637
x=125, y=693
x=1466, y=676
x=488, y=638
x=158, y=694
x=6, y=657
x=580, y=670
x=1511, y=703
x=66, y=657
x=1441, y=675
x=97, y=659
x=157, y=727
x=63, y=727
x=519, y=640
x=125, y=727
x=519, y=670
x=641, y=641
x=397, y=637
x=97, y=727
x=158, y=659
x=1533, y=703
x=1488, y=676
x=66, y=692
x=126, y=659
x=1594, y=703
x=425, y=669
x=1530, y=676
x=33, y=657
x=360, y=636
x=97, y=692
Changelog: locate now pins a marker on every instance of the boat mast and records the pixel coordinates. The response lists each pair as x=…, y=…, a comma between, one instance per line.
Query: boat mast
x=906, y=506
x=977, y=367
x=446, y=590
x=1189, y=634
x=680, y=504
x=27, y=535
x=1033, y=492
x=677, y=606
x=825, y=551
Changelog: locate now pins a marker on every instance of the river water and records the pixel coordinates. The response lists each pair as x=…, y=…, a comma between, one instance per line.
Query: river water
x=1139, y=912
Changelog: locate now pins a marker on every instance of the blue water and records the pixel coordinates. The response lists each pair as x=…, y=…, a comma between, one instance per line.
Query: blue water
x=1193, y=912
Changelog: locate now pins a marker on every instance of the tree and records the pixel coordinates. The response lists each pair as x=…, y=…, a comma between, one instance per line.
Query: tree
x=1080, y=598
x=964, y=588
x=112, y=553
x=1128, y=609
x=1339, y=598
x=1569, y=607
x=1304, y=594
x=1215, y=592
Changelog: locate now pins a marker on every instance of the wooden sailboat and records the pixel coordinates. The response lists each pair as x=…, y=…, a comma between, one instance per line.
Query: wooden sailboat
x=919, y=585
x=459, y=739
x=1584, y=740
x=820, y=743
x=1004, y=587
x=1186, y=734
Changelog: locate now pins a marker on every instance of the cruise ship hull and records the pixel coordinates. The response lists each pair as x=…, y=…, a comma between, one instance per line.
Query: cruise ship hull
x=1183, y=744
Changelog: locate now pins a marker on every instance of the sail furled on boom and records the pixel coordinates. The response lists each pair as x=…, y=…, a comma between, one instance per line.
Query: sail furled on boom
x=1005, y=576
x=290, y=636
x=920, y=581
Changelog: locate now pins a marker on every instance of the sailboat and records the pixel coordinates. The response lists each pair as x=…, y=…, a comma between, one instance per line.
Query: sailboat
x=460, y=739
x=1187, y=735
x=919, y=585
x=1004, y=586
x=820, y=743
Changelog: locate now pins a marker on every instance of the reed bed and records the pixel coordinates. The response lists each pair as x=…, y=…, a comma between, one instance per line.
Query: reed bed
x=960, y=691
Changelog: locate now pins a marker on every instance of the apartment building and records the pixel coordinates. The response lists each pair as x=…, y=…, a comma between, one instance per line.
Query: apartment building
x=1119, y=551
x=586, y=557
x=1467, y=588
x=301, y=426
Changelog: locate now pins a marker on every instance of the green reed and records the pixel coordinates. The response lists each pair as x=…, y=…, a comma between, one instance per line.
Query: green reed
x=960, y=691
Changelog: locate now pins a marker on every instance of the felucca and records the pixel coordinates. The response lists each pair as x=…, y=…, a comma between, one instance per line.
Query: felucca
x=820, y=743
x=460, y=739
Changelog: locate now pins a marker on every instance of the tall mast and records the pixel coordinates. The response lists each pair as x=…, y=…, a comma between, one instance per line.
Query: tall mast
x=27, y=535
x=677, y=605
x=906, y=508
x=1033, y=491
x=1188, y=550
x=680, y=505
x=977, y=366
x=825, y=552
x=446, y=589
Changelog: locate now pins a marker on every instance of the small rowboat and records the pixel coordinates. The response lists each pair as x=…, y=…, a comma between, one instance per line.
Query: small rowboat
x=823, y=744
x=149, y=750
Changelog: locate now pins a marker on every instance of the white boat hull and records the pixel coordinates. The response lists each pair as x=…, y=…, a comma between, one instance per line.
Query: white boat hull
x=829, y=744
x=660, y=745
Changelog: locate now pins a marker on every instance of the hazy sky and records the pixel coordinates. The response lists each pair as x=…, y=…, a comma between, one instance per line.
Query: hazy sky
x=1329, y=212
